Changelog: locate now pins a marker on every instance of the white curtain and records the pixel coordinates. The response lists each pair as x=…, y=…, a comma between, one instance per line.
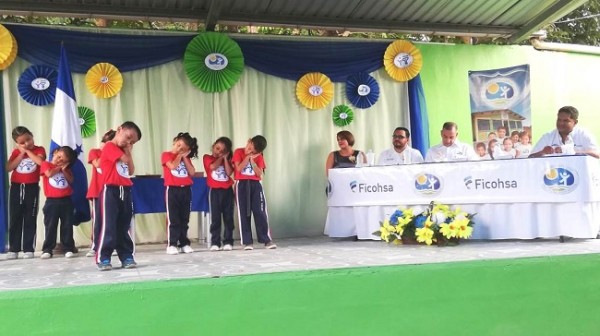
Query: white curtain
x=163, y=102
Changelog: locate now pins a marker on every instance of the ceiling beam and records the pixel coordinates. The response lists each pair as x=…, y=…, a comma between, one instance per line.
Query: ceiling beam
x=546, y=17
x=213, y=15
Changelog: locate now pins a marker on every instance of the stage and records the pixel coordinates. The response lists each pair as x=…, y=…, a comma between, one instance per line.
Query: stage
x=317, y=286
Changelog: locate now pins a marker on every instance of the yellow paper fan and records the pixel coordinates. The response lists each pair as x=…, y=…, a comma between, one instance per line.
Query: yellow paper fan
x=314, y=90
x=104, y=80
x=8, y=48
x=402, y=60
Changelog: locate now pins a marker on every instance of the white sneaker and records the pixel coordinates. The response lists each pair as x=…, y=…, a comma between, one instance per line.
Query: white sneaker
x=114, y=254
x=69, y=254
x=187, y=249
x=172, y=250
x=248, y=247
x=46, y=255
x=270, y=245
x=12, y=255
x=90, y=253
x=28, y=255
x=227, y=247
x=214, y=248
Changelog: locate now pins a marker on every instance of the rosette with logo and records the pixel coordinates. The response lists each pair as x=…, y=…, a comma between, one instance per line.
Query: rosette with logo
x=342, y=115
x=402, y=60
x=37, y=85
x=87, y=121
x=8, y=48
x=213, y=62
x=362, y=90
x=314, y=90
x=104, y=80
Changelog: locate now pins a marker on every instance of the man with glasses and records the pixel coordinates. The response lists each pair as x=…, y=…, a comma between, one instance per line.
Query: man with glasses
x=401, y=153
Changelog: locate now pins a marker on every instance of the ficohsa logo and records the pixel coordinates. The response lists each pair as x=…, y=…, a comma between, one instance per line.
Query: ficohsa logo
x=361, y=187
x=353, y=186
x=559, y=180
x=427, y=184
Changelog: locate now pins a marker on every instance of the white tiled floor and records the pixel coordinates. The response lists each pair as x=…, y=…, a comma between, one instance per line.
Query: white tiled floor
x=292, y=255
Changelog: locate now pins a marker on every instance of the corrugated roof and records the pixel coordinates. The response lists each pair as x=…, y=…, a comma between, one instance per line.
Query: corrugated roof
x=514, y=19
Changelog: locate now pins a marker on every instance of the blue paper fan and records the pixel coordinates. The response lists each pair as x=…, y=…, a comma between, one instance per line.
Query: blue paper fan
x=37, y=85
x=362, y=90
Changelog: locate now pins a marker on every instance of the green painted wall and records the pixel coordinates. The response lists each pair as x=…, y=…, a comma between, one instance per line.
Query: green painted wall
x=557, y=79
x=536, y=296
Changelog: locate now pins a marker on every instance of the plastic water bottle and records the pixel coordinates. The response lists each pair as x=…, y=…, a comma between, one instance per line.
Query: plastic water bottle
x=360, y=158
x=370, y=157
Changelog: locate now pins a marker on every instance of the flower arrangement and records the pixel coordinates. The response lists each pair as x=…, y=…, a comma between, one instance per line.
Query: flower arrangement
x=438, y=223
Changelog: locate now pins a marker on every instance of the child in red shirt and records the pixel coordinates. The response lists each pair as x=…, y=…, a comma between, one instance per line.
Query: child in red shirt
x=95, y=188
x=24, y=162
x=249, y=166
x=117, y=166
x=57, y=180
x=218, y=170
x=178, y=171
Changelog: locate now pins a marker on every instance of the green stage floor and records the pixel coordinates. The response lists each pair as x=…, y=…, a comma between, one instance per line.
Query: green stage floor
x=316, y=287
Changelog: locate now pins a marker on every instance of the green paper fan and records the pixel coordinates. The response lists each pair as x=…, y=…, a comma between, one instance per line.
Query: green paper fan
x=342, y=115
x=213, y=62
x=87, y=121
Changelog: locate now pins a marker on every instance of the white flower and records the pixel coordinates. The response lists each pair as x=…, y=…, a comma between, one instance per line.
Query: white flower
x=438, y=217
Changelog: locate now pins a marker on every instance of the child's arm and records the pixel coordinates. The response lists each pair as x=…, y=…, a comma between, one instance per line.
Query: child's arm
x=37, y=158
x=227, y=165
x=257, y=170
x=68, y=174
x=217, y=163
x=188, y=165
x=240, y=165
x=52, y=171
x=12, y=164
x=127, y=158
x=175, y=162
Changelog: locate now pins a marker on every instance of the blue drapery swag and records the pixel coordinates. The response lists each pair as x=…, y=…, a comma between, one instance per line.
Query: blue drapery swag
x=281, y=58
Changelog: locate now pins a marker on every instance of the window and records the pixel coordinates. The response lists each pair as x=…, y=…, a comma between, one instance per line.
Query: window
x=483, y=125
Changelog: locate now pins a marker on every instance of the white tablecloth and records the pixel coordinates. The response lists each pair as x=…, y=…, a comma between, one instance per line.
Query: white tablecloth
x=523, y=199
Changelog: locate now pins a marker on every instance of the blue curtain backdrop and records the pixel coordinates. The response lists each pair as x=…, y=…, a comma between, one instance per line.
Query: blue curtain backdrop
x=285, y=59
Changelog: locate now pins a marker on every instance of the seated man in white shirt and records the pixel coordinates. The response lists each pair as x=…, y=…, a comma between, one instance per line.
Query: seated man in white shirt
x=401, y=153
x=567, y=138
x=451, y=149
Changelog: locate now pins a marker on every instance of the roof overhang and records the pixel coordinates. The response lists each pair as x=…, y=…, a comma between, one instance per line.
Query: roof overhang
x=511, y=19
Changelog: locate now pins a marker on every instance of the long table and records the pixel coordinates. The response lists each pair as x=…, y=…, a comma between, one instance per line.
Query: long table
x=514, y=199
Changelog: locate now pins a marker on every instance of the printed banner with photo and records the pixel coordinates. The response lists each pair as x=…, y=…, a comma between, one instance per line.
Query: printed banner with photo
x=501, y=107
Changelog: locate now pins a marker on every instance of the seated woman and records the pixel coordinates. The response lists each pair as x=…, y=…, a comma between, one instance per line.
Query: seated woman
x=345, y=157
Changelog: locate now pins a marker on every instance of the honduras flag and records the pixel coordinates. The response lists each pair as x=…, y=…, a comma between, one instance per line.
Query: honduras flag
x=66, y=131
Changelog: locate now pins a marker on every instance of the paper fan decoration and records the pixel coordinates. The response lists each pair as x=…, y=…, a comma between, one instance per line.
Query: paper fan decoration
x=402, y=60
x=314, y=90
x=87, y=121
x=213, y=62
x=104, y=80
x=8, y=48
x=37, y=85
x=362, y=90
x=342, y=115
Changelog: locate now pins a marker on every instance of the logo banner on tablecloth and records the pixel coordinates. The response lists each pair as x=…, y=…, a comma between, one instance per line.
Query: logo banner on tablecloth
x=500, y=98
x=542, y=180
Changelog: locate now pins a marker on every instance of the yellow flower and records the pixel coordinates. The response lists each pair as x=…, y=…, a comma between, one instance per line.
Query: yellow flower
x=399, y=230
x=424, y=235
x=402, y=221
x=463, y=229
x=428, y=223
x=449, y=230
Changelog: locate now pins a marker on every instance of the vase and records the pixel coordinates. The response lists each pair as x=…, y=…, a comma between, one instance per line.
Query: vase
x=409, y=240
x=443, y=241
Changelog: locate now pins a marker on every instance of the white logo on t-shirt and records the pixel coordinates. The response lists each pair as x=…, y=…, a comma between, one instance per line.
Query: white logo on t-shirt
x=219, y=174
x=248, y=171
x=180, y=171
x=122, y=169
x=58, y=181
x=26, y=166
